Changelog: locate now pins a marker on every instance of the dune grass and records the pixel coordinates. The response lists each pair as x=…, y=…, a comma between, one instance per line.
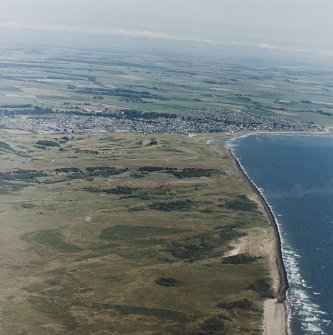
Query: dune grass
x=147, y=259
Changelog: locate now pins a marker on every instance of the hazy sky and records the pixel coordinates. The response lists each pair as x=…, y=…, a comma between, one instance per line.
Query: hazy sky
x=303, y=24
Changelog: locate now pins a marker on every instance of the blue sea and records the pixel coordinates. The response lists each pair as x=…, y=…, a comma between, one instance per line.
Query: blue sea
x=295, y=175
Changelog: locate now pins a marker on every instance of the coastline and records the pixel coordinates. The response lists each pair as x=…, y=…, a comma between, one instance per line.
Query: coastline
x=228, y=136
x=275, y=311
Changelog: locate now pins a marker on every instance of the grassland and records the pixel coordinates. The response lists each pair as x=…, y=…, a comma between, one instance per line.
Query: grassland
x=109, y=234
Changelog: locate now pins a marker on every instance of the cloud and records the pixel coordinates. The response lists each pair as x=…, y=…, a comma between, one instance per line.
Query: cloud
x=104, y=31
x=154, y=35
x=86, y=30
x=320, y=52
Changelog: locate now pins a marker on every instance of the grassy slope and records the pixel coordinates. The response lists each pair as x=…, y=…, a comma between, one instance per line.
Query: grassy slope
x=137, y=252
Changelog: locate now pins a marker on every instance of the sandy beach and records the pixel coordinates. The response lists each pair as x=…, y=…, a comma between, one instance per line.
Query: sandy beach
x=274, y=318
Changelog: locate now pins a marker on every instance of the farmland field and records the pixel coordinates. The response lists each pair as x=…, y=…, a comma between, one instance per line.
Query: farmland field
x=66, y=80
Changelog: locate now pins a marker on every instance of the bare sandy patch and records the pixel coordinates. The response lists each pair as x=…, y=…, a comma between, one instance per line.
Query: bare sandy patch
x=274, y=318
x=262, y=242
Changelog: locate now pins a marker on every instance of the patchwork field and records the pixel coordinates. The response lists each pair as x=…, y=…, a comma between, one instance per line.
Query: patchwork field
x=128, y=234
x=65, y=80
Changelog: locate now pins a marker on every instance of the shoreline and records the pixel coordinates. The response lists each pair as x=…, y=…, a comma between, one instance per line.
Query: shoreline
x=228, y=136
x=281, y=302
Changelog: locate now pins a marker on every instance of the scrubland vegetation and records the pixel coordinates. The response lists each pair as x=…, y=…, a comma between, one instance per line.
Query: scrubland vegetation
x=106, y=234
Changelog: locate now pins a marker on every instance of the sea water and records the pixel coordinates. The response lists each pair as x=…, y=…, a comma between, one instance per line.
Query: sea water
x=295, y=175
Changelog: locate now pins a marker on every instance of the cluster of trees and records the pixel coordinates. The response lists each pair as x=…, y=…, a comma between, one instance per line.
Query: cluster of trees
x=16, y=106
x=242, y=203
x=21, y=175
x=124, y=190
x=6, y=146
x=104, y=171
x=26, y=110
x=172, y=205
x=47, y=143
x=181, y=173
x=119, y=92
x=93, y=171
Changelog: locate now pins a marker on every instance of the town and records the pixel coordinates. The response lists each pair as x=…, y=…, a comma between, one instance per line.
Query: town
x=46, y=120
